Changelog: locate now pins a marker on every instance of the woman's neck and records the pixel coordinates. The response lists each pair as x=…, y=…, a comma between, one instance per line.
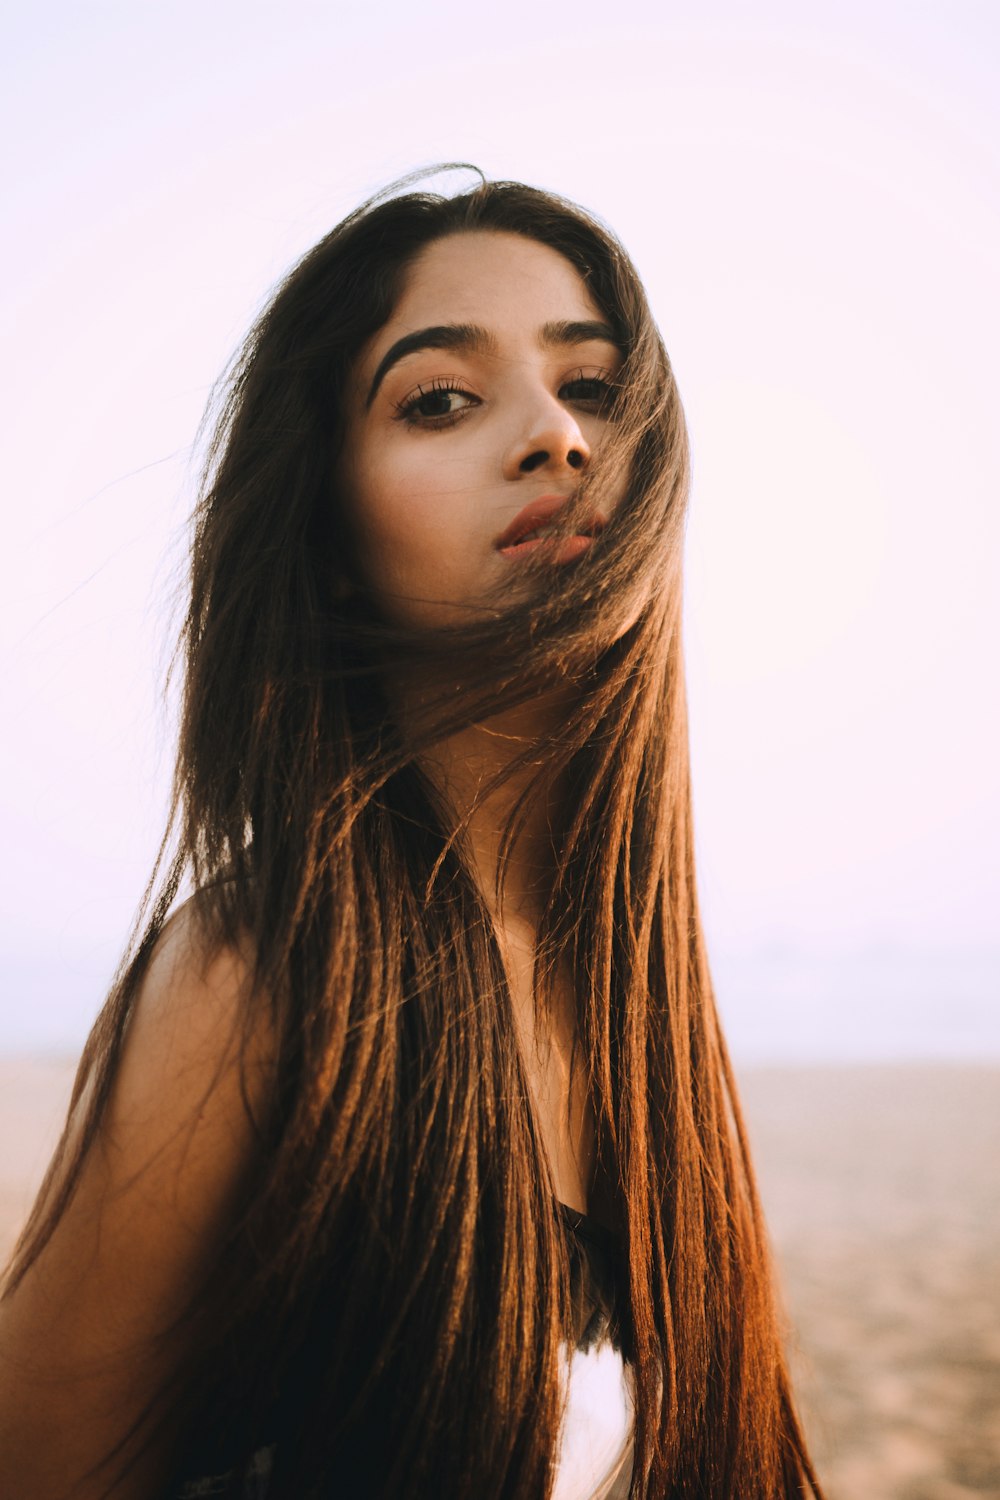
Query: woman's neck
x=463, y=764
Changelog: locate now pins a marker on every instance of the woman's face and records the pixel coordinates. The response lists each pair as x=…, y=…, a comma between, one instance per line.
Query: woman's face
x=473, y=414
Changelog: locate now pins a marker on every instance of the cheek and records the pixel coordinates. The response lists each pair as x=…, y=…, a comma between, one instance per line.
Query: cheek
x=396, y=512
x=601, y=438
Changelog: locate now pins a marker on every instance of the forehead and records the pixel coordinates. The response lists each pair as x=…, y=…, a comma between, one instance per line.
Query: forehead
x=493, y=277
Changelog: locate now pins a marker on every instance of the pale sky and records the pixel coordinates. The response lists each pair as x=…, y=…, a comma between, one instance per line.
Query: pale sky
x=810, y=193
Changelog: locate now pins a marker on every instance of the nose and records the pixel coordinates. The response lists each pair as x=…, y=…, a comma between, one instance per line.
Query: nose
x=550, y=439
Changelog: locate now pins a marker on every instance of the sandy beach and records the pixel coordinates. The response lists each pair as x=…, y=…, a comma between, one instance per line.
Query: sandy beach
x=882, y=1190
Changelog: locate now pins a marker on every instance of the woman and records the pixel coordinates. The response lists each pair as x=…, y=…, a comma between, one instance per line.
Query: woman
x=419, y=1103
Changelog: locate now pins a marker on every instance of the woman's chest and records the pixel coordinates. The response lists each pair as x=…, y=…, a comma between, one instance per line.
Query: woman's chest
x=556, y=1083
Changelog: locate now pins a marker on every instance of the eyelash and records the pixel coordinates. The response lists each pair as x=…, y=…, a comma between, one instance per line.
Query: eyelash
x=407, y=409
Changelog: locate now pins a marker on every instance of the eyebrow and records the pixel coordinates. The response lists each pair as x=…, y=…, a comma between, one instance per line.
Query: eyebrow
x=472, y=338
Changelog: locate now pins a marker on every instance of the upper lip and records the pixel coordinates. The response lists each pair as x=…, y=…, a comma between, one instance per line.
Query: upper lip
x=536, y=514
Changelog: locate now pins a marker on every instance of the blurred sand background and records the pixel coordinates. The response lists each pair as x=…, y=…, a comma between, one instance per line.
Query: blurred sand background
x=882, y=1190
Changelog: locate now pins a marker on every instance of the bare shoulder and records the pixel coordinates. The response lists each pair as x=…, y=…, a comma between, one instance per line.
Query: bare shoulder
x=94, y=1326
x=196, y=1024
x=193, y=975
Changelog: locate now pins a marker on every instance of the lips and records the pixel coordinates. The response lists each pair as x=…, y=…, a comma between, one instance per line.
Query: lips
x=520, y=536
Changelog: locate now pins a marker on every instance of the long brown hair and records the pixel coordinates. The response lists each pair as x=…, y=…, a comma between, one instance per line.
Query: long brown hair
x=393, y=1291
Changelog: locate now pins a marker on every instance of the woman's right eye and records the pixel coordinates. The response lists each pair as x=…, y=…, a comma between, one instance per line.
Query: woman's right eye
x=436, y=406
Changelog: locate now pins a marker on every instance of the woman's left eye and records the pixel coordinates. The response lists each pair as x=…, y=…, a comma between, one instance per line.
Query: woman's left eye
x=593, y=391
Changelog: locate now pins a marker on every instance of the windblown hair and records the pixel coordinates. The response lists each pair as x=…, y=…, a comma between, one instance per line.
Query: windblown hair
x=393, y=1288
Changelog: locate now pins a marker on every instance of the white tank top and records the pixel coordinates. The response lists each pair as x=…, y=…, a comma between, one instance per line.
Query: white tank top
x=594, y=1461
x=595, y=1453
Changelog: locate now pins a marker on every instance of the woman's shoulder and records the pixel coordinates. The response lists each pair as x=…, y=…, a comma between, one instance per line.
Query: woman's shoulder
x=190, y=951
x=188, y=1094
x=195, y=975
x=199, y=1027
x=155, y=1194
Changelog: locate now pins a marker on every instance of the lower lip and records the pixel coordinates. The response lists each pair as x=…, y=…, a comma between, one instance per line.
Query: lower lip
x=556, y=549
